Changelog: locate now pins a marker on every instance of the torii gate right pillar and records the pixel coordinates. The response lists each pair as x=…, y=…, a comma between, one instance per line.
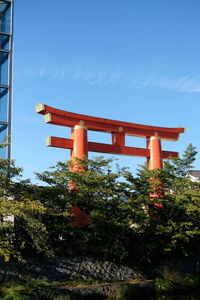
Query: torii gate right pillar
x=155, y=162
x=155, y=159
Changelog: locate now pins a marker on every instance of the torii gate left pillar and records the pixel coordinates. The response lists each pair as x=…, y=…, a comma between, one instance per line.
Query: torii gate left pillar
x=80, y=144
x=79, y=151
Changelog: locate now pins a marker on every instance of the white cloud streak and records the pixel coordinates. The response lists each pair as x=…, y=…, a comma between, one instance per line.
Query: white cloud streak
x=187, y=83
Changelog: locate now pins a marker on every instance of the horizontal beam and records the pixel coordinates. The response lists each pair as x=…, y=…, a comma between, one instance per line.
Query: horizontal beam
x=3, y=86
x=5, y=51
x=68, y=119
x=92, y=125
x=107, y=148
x=5, y=33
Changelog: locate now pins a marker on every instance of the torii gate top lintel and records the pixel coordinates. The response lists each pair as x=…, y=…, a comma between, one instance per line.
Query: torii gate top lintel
x=69, y=119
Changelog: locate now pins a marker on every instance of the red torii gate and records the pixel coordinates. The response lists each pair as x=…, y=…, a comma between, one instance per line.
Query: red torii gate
x=79, y=145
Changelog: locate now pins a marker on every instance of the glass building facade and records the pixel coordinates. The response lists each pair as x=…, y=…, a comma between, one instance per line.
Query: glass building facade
x=6, y=53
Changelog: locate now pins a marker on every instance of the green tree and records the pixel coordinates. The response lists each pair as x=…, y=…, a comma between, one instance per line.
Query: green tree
x=126, y=224
x=181, y=166
x=102, y=195
x=20, y=223
x=174, y=230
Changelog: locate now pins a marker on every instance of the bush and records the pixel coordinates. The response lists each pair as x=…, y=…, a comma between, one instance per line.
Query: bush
x=123, y=292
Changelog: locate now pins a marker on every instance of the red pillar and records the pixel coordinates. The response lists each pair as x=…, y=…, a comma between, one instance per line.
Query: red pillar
x=155, y=162
x=80, y=151
x=80, y=148
x=155, y=159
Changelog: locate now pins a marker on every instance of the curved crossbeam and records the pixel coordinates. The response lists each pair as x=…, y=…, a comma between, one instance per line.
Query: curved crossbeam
x=69, y=119
x=80, y=146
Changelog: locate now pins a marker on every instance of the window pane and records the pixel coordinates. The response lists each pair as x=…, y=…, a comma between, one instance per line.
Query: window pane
x=3, y=105
x=3, y=134
x=4, y=17
x=4, y=42
x=3, y=68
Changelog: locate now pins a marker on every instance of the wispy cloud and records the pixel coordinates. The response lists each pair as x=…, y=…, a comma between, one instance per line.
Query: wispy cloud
x=136, y=80
x=187, y=83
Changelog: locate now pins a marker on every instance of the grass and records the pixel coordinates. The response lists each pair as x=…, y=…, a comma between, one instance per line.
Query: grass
x=27, y=289
x=173, y=281
x=40, y=289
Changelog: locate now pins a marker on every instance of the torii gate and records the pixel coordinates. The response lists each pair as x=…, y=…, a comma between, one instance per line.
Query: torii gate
x=80, y=124
x=79, y=145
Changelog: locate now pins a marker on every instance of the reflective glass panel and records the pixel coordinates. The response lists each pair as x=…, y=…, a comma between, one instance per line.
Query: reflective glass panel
x=3, y=68
x=5, y=71
x=3, y=134
x=4, y=42
x=5, y=17
x=3, y=105
x=2, y=6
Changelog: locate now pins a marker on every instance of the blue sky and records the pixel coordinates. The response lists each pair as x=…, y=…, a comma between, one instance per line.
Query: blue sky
x=129, y=60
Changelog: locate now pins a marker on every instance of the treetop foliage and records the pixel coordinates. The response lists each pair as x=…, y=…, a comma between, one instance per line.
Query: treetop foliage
x=126, y=224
